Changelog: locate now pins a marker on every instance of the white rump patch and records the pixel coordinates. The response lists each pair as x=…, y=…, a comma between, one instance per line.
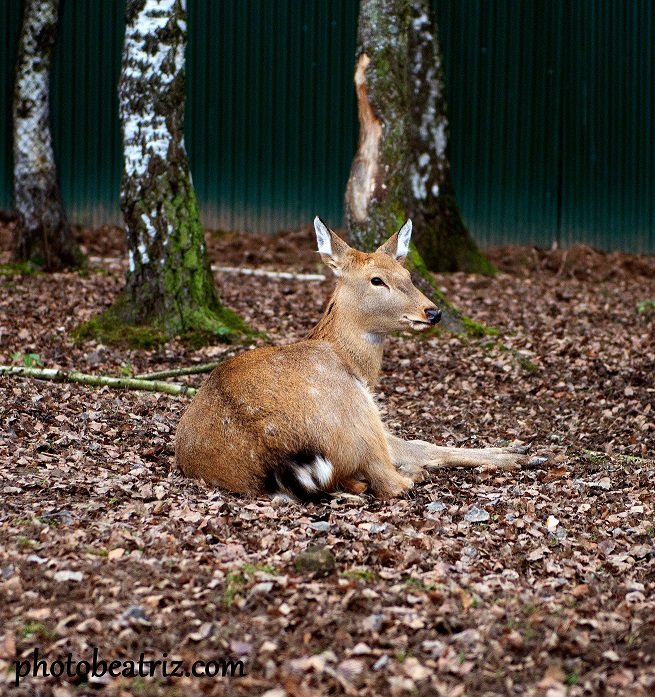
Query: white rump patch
x=404, y=236
x=305, y=478
x=323, y=471
x=323, y=237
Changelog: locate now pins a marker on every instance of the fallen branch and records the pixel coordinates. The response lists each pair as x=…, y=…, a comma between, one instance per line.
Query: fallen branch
x=281, y=275
x=176, y=372
x=98, y=380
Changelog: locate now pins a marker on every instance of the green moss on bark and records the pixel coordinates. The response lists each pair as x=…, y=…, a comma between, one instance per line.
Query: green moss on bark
x=110, y=329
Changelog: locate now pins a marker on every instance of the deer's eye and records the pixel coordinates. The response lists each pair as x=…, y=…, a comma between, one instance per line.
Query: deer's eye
x=377, y=281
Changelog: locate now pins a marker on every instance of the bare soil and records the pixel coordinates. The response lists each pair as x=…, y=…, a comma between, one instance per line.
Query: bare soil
x=103, y=544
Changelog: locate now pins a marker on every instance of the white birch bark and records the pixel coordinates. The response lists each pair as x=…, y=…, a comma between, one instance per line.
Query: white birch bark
x=169, y=282
x=153, y=58
x=442, y=237
x=43, y=234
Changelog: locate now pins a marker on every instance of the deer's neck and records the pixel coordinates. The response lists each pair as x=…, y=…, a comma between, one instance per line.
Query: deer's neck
x=362, y=350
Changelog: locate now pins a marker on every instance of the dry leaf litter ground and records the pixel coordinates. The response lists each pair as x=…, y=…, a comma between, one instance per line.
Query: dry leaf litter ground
x=466, y=587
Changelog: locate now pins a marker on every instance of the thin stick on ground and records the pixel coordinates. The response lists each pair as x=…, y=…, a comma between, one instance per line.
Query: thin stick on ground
x=277, y=275
x=176, y=372
x=98, y=380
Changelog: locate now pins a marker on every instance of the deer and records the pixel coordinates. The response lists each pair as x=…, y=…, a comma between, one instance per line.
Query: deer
x=300, y=420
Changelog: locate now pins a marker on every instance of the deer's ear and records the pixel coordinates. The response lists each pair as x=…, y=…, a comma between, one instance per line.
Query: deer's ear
x=397, y=246
x=332, y=248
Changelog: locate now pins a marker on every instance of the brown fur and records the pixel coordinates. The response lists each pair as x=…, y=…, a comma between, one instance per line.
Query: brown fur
x=263, y=407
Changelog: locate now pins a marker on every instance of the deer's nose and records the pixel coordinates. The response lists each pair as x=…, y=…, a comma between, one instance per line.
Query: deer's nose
x=433, y=314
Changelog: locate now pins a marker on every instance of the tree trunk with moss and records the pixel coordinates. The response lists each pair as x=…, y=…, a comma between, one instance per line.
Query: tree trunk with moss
x=43, y=235
x=441, y=236
x=169, y=283
x=378, y=191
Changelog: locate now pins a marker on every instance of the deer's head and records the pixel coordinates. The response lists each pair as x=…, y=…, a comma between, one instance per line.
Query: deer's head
x=375, y=290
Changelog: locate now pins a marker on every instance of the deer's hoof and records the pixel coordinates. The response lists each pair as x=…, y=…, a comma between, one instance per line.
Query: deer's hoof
x=519, y=449
x=394, y=489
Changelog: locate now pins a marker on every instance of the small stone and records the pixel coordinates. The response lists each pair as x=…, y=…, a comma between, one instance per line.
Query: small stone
x=316, y=560
x=57, y=518
x=134, y=614
x=436, y=507
x=477, y=515
x=378, y=527
x=320, y=526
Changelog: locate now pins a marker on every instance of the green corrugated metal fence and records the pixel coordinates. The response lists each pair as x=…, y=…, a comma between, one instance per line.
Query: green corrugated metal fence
x=551, y=106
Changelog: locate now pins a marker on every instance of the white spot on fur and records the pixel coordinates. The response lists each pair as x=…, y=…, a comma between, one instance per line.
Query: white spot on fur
x=305, y=478
x=374, y=338
x=313, y=392
x=323, y=471
x=404, y=236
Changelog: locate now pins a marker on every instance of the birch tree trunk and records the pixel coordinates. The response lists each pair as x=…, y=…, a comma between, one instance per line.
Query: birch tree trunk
x=43, y=235
x=169, y=283
x=377, y=200
x=441, y=235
